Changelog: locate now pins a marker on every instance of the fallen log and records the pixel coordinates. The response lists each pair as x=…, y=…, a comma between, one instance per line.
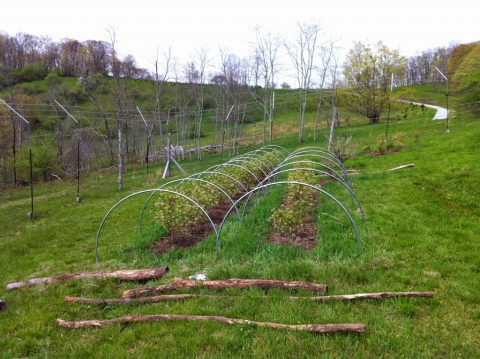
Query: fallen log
x=316, y=328
x=125, y=275
x=179, y=283
x=162, y=298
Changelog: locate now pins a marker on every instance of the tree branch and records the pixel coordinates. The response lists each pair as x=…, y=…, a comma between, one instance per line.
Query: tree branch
x=162, y=298
x=316, y=328
x=179, y=283
x=125, y=275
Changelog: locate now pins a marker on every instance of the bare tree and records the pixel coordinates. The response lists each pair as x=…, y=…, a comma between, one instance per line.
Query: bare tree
x=202, y=60
x=181, y=117
x=195, y=75
x=302, y=51
x=7, y=80
x=68, y=60
x=160, y=81
x=233, y=81
x=266, y=50
x=93, y=86
x=115, y=69
x=327, y=78
x=99, y=53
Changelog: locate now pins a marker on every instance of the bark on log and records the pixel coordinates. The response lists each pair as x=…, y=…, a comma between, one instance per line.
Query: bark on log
x=162, y=298
x=125, y=275
x=179, y=283
x=316, y=328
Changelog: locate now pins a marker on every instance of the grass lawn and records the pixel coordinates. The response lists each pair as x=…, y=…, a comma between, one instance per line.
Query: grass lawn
x=420, y=234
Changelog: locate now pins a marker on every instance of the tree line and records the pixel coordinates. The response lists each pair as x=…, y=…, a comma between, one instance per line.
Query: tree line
x=29, y=57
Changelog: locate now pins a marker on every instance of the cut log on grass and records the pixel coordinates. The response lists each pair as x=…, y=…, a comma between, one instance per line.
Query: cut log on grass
x=316, y=328
x=125, y=275
x=162, y=298
x=179, y=283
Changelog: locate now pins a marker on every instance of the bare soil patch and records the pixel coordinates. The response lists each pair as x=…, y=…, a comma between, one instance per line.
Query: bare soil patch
x=305, y=238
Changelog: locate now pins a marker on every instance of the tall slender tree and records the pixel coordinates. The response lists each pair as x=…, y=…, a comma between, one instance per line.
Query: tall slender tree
x=302, y=50
x=266, y=50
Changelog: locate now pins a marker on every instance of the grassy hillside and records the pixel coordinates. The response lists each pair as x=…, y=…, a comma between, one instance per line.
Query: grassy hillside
x=420, y=234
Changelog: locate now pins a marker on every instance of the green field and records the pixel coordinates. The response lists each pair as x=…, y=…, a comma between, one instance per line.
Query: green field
x=420, y=234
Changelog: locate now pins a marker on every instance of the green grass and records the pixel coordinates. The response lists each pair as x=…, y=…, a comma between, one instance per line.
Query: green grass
x=420, y=234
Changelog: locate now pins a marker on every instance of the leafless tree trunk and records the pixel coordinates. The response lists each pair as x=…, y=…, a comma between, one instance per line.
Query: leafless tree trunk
x=14, y=139
x=327, y=72
x=115, y=63
x=202, y=62
x=160, y=81
x=267, y=47
x=302, y=51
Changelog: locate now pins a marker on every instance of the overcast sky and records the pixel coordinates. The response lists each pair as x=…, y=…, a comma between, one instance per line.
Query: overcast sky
x=143, y=26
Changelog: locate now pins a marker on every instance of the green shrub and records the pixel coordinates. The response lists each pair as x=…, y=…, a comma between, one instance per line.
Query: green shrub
x=343, y=147
x=399, y=139
x=381, y=144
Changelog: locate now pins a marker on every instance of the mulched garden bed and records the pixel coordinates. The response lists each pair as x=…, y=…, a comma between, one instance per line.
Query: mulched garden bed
x=305, y=238
x=195, y=233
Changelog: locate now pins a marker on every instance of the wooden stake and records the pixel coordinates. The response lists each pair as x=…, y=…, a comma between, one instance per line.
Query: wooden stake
x=125, y=275
x=316, y=328
x=179, y=283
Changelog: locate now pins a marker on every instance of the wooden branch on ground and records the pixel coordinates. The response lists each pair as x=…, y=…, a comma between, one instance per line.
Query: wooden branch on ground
x=356, y=172
x=179, y=283
x=125, y=275
x=401, y=167
x=155, y=299
x=162, y=298
x=316, y=328
x=381, y=295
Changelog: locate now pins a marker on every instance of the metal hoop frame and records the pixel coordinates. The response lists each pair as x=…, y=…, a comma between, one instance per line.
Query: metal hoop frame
x=289, y=159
